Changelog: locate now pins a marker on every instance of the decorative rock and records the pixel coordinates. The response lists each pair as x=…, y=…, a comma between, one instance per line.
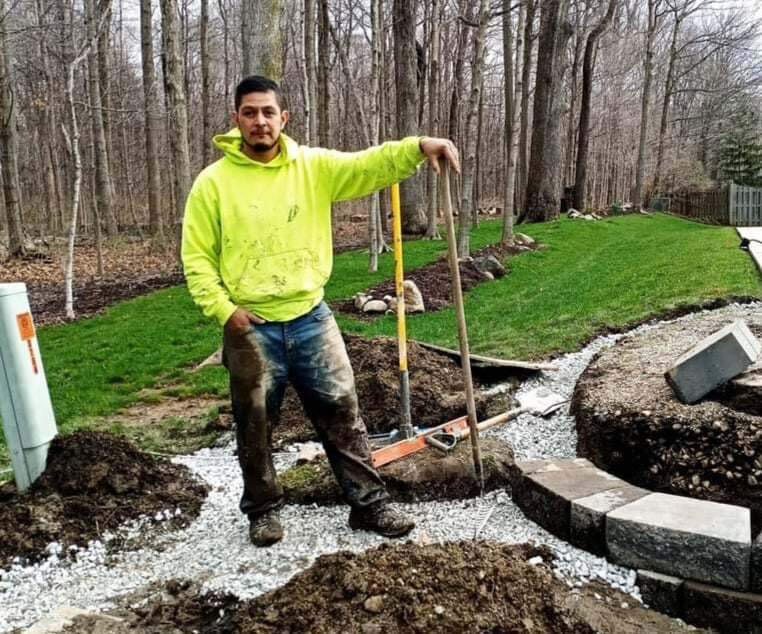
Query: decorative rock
x=727, y=610
x=660, y=592
x=63, y=617
x=374, y=604
x=588, y=516
x=360, y=300
x=374, y=306
x=309, y=452
x=713, y=361
x=524, y=239
x=695, y=539
x=488, y=276
x=413, y=297
x=489, y=264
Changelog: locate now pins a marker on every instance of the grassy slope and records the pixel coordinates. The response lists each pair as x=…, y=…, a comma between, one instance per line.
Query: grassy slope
x=591, y=275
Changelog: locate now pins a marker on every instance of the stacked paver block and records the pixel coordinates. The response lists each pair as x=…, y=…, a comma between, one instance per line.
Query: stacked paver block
x=695, y=539
x=660, y=592
x=588, y=515
x=570, y=498
x=713, y=361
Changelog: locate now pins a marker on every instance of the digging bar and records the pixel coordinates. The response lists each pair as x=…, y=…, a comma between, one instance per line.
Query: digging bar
x=457, y=295
x=406, y=425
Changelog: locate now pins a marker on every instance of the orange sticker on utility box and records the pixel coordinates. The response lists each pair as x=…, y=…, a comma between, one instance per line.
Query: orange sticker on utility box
x=26, y=326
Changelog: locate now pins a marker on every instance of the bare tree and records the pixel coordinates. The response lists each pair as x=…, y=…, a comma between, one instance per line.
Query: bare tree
x=324, y=98
x=583, y=142
x=310, y=70
x=406, y=74
x=543, y=184
x=178, y=112
x=470, y=145
x=95, y=12
x=261, y=47
x=150, y=110
x=8, y=143
x=206, y=124
x=431, y=178
x=653, y=22
x=509, y=94
x=522, y=170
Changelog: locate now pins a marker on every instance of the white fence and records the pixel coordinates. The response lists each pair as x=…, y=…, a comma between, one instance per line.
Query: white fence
x=745, y=206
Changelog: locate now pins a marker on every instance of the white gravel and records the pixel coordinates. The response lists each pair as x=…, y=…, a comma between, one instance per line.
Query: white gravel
x=214, y=548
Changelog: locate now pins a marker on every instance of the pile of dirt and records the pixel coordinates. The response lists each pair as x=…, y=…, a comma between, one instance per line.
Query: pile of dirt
x=630, y=423
x=436, y=390
x=424, y=476
x=93, y=483
x=434, y=281
x=456, y=587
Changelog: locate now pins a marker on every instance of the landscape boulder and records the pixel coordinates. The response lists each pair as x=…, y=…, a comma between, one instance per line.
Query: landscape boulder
x=489, y=264
x=413, y=297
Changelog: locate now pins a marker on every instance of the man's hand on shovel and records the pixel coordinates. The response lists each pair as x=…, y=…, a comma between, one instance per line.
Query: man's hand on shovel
x=436, y=149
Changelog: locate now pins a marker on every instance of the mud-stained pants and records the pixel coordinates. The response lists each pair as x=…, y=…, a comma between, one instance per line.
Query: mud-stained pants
x=310, y=353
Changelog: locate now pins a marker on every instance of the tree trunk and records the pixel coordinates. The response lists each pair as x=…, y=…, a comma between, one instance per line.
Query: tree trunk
x=206, y=124
x=526, y=72
x=668, y=88
x=95, y=11
x=406, y=74
x=178, y=111
x=510, y=119
x=543, y=186
x=8, y=143
x=375, y=233
x=261, y=46
x=310, y=72
x=431, y=177
x=104, y=85
x=324, y=97
x=469, y=141
x=151, y=114
x=583, y=139
x=653, y=20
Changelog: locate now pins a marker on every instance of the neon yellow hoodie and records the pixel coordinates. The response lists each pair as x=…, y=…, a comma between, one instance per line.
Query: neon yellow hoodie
x=258, y=235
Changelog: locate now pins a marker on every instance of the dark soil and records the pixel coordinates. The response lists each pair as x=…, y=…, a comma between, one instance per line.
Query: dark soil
x=423, y=476
x=456, y=587
x=90, y=298
x=434, y=281
x=93, y=483
x=436, y=390
x=630, y=423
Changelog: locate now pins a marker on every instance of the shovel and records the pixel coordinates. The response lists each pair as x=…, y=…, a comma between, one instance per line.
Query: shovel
x=538, y=402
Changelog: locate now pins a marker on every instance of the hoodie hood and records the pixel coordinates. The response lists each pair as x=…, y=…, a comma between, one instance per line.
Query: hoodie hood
x=230, y=145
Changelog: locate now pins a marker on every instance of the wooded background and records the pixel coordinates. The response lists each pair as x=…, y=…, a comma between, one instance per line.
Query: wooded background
x=107, y=107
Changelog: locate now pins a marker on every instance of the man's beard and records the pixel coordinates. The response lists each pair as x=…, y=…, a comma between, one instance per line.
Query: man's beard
x=260, y=148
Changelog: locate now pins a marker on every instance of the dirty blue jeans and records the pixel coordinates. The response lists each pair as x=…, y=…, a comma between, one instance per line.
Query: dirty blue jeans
x=309, y=353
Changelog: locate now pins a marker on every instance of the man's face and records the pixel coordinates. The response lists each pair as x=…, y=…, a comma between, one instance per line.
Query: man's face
x=260, y=120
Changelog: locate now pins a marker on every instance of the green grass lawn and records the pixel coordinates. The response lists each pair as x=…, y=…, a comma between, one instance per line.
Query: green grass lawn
x=591, y=275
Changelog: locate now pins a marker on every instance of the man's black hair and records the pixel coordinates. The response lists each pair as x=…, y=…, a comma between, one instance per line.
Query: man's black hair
x=257, y=83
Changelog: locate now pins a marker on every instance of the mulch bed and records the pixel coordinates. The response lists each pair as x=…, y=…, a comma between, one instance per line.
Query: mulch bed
x=93, y=483
x=630, y=423
x=434, y=281
x=455, y=587
x=436, y=390
x=425, y=476
x=91, y=297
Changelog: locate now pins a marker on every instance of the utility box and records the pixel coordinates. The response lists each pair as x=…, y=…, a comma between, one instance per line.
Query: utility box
x=28, y=421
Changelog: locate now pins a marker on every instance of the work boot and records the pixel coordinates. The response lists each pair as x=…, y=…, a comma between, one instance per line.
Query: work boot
x=381, y=518
x=266, y=529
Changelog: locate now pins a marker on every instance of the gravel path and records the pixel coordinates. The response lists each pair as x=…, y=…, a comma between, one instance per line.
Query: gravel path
x=214, y=549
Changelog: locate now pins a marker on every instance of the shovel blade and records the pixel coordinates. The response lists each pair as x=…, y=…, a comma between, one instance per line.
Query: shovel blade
x=541, y=401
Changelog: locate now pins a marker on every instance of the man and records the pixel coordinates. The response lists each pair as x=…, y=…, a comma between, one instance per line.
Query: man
x=257, y=253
